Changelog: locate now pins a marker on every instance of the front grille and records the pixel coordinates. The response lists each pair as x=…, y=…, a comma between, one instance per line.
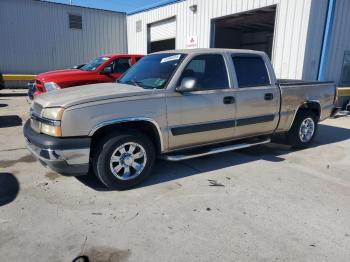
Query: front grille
x=31, y=89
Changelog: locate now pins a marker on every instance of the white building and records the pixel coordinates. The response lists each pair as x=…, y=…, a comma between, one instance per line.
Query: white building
x=38, y=36
x=306, y=39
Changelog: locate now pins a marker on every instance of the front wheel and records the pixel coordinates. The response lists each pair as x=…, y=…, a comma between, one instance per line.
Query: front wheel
x=122, y=161
x=303, y=130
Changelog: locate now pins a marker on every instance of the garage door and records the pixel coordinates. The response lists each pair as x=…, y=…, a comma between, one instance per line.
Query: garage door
x=162, y=30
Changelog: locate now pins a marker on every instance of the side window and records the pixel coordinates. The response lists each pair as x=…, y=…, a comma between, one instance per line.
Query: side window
x=250, y=71
x=120, y=65
x=209, y=71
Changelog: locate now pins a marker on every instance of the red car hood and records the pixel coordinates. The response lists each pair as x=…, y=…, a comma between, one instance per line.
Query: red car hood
x=52, y=76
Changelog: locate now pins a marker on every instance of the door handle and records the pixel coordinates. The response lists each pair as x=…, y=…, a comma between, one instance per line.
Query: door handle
x=268, y=96
x=229, y=100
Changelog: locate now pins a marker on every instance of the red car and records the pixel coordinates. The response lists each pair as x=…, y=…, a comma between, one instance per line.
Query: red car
x=103, y=69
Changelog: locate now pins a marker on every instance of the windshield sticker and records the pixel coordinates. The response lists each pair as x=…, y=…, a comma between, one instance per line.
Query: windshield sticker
x=170, y=58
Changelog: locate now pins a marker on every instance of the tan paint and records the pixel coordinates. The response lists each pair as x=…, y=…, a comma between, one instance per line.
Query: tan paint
x=88, y=107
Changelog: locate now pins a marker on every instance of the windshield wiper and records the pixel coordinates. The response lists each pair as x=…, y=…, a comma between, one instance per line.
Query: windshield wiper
x=133, y=82
x=136, y=83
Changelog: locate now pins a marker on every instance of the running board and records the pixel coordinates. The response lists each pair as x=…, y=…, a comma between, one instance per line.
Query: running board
x=212, y=151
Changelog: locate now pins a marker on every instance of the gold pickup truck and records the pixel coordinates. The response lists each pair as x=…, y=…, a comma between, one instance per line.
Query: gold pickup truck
x=175, y=105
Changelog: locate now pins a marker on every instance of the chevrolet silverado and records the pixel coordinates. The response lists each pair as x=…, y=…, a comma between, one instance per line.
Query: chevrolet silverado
x=174, y=105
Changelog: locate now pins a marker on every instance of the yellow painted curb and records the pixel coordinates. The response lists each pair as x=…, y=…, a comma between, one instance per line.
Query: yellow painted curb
x=343, y=91
x=8, y=77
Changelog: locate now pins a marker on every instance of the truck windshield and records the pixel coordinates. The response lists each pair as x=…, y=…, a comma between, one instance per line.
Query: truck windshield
x=152, y=71
x=92, y=66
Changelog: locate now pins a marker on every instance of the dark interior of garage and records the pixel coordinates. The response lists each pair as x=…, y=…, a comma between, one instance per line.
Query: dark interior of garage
x=249, y=30
x=156, y=46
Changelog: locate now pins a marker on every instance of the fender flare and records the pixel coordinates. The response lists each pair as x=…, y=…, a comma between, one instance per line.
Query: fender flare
x=130, y=119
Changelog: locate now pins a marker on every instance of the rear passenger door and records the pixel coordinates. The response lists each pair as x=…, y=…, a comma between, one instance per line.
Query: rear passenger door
x=207, y=114
x=257, y=98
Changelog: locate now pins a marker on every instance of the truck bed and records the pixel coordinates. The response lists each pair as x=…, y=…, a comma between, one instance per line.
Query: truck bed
x=295, y=92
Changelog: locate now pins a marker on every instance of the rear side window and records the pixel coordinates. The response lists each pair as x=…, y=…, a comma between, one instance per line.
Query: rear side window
x=209, y=71
x=251, y=71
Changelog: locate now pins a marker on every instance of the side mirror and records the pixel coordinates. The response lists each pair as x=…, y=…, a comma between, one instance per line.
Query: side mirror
x=188, y=84
x=107, y=70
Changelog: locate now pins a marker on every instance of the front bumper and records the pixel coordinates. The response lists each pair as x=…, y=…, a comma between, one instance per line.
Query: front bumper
x=67, y=156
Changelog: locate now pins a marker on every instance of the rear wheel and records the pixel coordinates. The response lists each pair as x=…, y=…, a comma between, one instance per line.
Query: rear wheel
x=122, y=161
x=303, y=130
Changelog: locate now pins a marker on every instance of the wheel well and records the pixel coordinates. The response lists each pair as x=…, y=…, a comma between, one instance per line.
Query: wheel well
x=145, y=127
x=312, y=106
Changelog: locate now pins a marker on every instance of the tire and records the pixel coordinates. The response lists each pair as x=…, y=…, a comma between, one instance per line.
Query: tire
x=302, y=136
x=143, y=158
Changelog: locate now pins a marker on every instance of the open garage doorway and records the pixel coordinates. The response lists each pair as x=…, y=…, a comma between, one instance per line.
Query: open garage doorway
x=162, y=45
x=249, y=30
x=162, y=35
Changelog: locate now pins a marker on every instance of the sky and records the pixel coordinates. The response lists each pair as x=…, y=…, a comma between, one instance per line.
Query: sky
x=115, y=5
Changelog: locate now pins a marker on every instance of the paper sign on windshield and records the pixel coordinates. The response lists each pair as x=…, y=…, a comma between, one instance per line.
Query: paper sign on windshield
x=170, y=58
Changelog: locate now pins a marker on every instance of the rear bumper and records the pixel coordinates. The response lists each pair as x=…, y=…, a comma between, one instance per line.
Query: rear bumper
x=67, y=156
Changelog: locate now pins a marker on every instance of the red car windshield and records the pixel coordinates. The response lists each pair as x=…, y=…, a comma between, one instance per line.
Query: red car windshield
x=94, y=64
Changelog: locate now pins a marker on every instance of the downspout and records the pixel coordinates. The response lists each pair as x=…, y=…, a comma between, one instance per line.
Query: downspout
x=326, y=40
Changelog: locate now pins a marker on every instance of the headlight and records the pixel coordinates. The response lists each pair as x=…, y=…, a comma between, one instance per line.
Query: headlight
x=51, y=121
x=51, y=130
x=50, y=86
x=53, y=113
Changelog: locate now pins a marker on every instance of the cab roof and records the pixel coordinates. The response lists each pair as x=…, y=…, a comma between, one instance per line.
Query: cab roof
x=211, y=50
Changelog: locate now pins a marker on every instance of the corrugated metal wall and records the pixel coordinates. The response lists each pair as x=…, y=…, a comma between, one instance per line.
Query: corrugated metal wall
x=340, y=40
x=35, y=36
x=317, y=19
x=292, y=20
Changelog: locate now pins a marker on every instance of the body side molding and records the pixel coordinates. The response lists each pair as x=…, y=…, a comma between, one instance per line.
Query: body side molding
x=188, y=129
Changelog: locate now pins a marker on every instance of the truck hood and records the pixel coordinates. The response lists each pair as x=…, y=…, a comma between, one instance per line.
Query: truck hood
x=53, y=76
x=88, y=93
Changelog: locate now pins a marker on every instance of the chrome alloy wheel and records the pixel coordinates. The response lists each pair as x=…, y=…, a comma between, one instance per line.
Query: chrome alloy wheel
x=128, y=161
x=306, y=130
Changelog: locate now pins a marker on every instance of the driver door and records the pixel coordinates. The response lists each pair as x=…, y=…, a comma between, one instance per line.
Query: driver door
x=203, y=116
